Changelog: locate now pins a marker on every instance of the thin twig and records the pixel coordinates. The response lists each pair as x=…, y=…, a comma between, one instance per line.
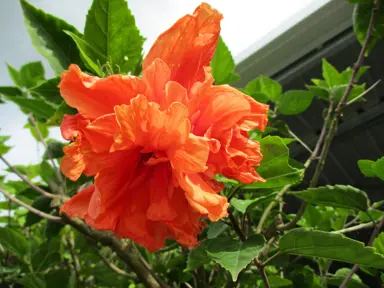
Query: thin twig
x=30, y=208
x=274, y=256
x=262, y=273
x=26, y=181
x=235, y=226
x=75, y=260
x=356, y=228
x=49, y=154
x=300, y=141
x=364, y=93
x=370, y=243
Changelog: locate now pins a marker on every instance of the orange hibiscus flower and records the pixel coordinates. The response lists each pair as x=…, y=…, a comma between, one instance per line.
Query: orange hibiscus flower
x=155, y=144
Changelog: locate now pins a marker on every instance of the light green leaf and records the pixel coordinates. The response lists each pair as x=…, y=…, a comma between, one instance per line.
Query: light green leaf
x=294, y=102
x=92, y=58
x=330, y=74
x=5, y=205
x=276, y=167
x=341, y=274
x=338, y=92
x=14, y=242
x=372, y=168
x=216, y=229
x=47, y=172
x=246, y=205
x=50, y=40
x=372, y=214
x=223, y=65
x=3, y=147
x=308, y=242
x=347, y=74
x=32, y=74
x=266, y=86
x=34, y=280
x=42, y=128
x=15, y=75
x=110, y=28
x=378, y=168
x=41, y=203
x=39, y=108
x=335, y=196
x=31, y=171
x=320, y=92
x=233, y=254
x=379, y=243
x=361, y=18
x=49, y=91
x=197, y=257
x=277, y=281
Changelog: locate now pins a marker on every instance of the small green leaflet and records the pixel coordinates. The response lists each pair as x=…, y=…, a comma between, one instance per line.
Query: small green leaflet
x=372, y=168
x=263, y=85
x=294, y=102
x=14, y=242
x=197, y=257
x=246, y=205
x=3, y=147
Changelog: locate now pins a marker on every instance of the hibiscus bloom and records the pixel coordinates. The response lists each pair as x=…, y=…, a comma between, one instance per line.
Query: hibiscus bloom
x=155, y=144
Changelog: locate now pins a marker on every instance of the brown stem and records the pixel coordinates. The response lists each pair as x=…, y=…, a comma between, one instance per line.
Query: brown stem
x=26, y=181
x=370, y=243
x=49, y=154
x=235, y=226
x=75, y=260
x=262, y=273
x=30, y=208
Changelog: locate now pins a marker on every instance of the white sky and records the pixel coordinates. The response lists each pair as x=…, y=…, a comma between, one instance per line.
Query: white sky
x=245, y=22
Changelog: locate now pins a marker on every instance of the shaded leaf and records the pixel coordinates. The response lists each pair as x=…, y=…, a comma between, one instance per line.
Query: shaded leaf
x=42, y=128
x=308, y=242
x=34, y=280
x=277, y=281
x=10, y=91
x=294, y=102
x=48, y=90
x=41, y=203
x=110, y=28
x=32, y=74
x=197, y=257
x=39, y=108
x=216, y=228
x=245, y=205
x=47, y=172
x=341, y=274
x=335, y=196
x=58, y=116
x=55, y=150
x=14, y=242
x=46, y=255
x=320, y=92
x=223, y=65
x=232, y=254
x=49, y=39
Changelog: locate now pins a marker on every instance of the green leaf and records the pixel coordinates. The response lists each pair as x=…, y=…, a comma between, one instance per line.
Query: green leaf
x=215, y=229
x=47, y=172
x=378, y=168
x=341, y=196
x=372, y=168
x=320, y=92
x=339, y=91
x=33, y=280
x=14, y=242
x=55, y=150
x=372, y=214
x=197, y=257
x=379, y=243
x=361, y=18
x=330, y=74
x=266, y=86
x=52, y=229
x=223, y=65
x=58, y=116
x=46, y=255
x=110, y=28
x=15, y=75
x=276, y=167
x=232, y=254
x=31, y=171
x=91, y=57
x=39, y=108
x=308, y=242
x=246, y=205
x=41, y=203
x=341, y=274
x=277, y=281
x=3, y=147
x=304, y=277
x=5, y=205
x=42, y=128
x=49, y=91
x=10, y=91
x=294, y=102
x=32, y=74
x=49, y=39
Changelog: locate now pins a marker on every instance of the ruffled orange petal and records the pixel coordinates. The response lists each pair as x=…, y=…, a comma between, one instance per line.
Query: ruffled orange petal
x=188, y=45
x=72, y=164
x=77, y=206
x=156, y=75
x=93, y=96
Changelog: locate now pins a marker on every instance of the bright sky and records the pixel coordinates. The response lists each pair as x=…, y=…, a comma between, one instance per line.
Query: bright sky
x=245, y=22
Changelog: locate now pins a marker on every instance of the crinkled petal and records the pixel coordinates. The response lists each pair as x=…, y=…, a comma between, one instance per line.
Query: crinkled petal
x=188, y=45
x=77, y=206
x=156, y=75
x=93, y=96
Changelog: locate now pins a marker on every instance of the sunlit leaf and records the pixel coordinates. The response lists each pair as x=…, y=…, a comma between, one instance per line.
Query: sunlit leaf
x=294, y=102
x=32, y=74
x=245, y=205
x=267, y=86
x=372, y=168
x=3, y=147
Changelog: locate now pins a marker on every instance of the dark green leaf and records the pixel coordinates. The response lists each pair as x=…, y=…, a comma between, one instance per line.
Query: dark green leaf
x=197, y=257
x=59, y=279
x=46, y=255
x=39, y=108
x=335, y=196
x=50, y=40
x=361, y=18
x=294, y=102
x=245, y=205
x=216, y=229
x=275, y=167
x=265, y=85
x=320, y=92
x=56, y=118
x=110, y=28
x=308, y=242
x=10, y=91
x=223, y=65
x=14, y=242
x=34, y=280
x=15, y=75
x=341, y=274
x=233, y=254
x=55, y=150
x=41, y=203
x=3, y=147
x=49, y=91
x=32, y=74
x=47, y=172
x=52, y=229
x=304, y=277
